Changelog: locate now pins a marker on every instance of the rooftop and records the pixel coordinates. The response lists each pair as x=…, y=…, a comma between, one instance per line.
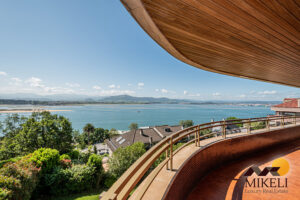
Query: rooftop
x=147, y=135
x=289, y=103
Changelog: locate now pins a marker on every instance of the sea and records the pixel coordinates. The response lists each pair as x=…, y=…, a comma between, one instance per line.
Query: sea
x=120, y=116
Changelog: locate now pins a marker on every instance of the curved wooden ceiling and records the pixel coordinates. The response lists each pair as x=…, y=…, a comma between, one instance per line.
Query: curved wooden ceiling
x=254, y=39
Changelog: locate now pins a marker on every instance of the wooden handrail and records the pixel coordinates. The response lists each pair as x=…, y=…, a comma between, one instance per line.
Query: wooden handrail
x=126, y=183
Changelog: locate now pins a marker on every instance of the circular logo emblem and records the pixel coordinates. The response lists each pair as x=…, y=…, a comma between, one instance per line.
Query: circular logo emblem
x=283, y=165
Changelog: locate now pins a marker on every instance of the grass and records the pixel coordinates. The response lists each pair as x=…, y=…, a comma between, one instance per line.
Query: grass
x=81, y=196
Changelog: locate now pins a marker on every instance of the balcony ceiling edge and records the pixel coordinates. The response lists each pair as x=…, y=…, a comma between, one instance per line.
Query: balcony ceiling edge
x=261, y=53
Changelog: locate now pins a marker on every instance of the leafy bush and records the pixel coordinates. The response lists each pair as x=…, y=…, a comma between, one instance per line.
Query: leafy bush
x=45, y=158
x=84, y=157
x=96, y=161
x=66, y=163
x=74, y=154
x=124, y=157
x=10, y=182
x=186, y=123
x=5, y=194
x=65, y=157
x=258, y=125
x=18, y=179
x=237, y=120
x=109, y=180
x=2, y=162
x=75, y=179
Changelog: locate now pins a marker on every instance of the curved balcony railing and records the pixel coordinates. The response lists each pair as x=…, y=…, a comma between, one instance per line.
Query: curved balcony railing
x=122, y=188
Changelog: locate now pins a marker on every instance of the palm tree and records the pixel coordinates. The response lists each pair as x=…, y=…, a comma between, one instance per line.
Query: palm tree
x=88, y=128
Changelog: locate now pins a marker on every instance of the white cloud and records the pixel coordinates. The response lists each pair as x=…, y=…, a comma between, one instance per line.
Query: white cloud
x=35, y=82
x=129, y=84
x=194, y=95
x=15, y=81
x=164, y=91
x=267, y=92
x=96, y=87
x=185, y=92
x=216, y=94
x=242, y=96
x=3, y=73
x=73, y=84
x=112, y=86
x=141, y=84
x=156, y=90
x=116, y=92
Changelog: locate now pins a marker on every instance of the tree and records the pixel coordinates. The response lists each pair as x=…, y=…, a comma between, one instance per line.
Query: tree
x=124, y=157
x=113, y=132
x=186, y=123
x=233, y=118
x=38, y=130
x=88, y=128
x=133, y=126
x=99, y=135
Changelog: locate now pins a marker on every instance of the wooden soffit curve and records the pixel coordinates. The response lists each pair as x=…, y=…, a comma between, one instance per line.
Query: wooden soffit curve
x=252, y=39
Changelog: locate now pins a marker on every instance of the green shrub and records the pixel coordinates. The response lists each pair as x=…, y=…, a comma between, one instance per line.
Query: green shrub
x=2, y=162
x=5, y=194
x=84, y=157
x=20, y=178
x=109, y=180
x=74, y=154
x=45, y=158
x=65, y=163
x=10, y=182
x=258, y=125
x=76, y=179
x=124, y=157
x=96, y=161
x=64, y=157
x=237, y=120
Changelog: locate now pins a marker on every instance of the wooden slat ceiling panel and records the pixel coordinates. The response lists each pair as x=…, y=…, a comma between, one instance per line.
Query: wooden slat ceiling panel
x=256, y=39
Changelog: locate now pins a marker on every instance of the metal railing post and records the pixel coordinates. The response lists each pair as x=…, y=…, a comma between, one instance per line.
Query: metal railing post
x=171, y=153
x=282, y=122
x=268, y=124
x=295, y=119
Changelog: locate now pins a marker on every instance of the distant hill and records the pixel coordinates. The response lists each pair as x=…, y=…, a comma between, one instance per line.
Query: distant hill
x=131, y=99
x=119, y=99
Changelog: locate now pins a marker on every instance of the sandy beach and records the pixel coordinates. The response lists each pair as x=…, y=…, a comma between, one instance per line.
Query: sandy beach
x=29, y=110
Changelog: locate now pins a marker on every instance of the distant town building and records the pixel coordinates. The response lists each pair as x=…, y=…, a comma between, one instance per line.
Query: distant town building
x=290, y=106
x=100, y=147
x=147, y=135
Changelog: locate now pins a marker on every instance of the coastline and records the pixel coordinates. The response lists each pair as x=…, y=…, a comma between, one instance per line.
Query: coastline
x=28, y=110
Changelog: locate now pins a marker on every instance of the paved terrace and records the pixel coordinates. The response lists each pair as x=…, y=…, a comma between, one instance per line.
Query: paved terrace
x=229, y=184
x=155, y=185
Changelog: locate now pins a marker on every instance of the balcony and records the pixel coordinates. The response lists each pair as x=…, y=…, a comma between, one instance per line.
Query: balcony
x=206, y=147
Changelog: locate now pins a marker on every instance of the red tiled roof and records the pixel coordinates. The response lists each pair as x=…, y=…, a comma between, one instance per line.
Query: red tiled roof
x=292, y=103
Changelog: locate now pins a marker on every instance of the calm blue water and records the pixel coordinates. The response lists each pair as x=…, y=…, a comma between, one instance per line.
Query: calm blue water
x=120, y=116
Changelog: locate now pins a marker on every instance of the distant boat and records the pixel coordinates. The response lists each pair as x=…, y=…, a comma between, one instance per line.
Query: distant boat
x=138, y=111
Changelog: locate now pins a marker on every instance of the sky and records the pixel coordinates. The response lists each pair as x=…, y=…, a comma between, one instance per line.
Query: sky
x=96, y=48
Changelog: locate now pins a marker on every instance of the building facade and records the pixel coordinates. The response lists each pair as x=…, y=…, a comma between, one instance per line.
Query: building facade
x=290, y=106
